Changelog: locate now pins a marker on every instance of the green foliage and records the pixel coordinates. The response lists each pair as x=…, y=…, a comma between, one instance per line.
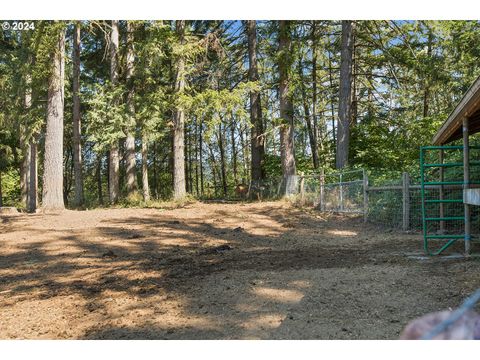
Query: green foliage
x=107, y=115
x=10, y=188
x=408, y=76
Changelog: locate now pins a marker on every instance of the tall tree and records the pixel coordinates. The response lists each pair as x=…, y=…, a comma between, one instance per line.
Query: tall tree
x=77, y=129
x=114, y=162
x=130, y=126
x=145, y=185
x=345, y=95
x=314, y=133
x=52, y=198
x=179, y=189
x=287, y=149
x=257, y=137
x=25, y=145
x=33, y=177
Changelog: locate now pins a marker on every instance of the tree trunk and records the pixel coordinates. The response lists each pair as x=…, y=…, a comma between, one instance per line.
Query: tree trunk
x=155, y=179
x=25, y=146
x=99, y=179
x=187, y=165
x=52, y=198
x=1, y=194
x=426, y=93
x=179, y=190
x=287, y=149
x=202, y=185
x=145, y=187
x=222, y=160
x=190, y=163
x=332, y=105
x=77, y=129
x=308, y=118
x=257, y=138
x=345, y=95
x=197, y=189
x=114, y=164
x=130, y=140
x=33, y=178
x=234, y=151
x=315, y=132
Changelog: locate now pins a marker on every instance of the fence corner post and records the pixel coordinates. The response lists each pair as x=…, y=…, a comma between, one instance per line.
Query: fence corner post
x=365, y=196
x=406, y=201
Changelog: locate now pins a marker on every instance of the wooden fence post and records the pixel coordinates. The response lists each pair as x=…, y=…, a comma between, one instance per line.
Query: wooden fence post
x=322, y=189
x=406, y=201
x=365, y=196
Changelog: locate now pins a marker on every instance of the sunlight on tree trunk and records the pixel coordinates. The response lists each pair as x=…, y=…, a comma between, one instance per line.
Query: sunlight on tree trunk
x=52, y=198
x=114, y=162
x=179, y=189
x=130, y=140
x=345, y=96
x=287, y=149
x=77, y=128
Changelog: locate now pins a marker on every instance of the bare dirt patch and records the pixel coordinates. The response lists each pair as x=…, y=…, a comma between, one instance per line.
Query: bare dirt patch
x=216, y=271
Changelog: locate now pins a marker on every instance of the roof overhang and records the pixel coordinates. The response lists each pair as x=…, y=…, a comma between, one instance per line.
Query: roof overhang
x=468, y=107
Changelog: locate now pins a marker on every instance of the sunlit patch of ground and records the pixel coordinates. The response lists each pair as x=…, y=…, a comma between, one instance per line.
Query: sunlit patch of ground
x=216, y=271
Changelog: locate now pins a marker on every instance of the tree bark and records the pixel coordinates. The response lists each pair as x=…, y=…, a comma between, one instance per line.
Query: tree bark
x=145, y=186
x=257, y=138
x=1, y=194
x=114, y=163
x=25, y=146
x=77, y=129
x=179, y=189
x=187, y=165
x=426, y=93
x=155, y=180
x=287, y=148
x=197, y=189
x=308, y=118
x=222, y=159
x=52, y=198
x=345, y=95
x=130, y=140
x=234, y=151
x=332, y=105
x=190, y=162
x=99, y=179
x=202, y=185
x=33, y=178
x=314, y=139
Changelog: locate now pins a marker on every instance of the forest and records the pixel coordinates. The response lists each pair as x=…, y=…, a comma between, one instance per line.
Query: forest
x=96, y=113
x=239, y=179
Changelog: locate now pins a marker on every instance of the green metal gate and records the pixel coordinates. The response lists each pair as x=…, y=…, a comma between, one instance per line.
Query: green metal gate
x=448, y=239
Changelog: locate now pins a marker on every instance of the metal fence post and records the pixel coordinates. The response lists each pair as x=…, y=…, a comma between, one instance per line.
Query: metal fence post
x=322, y=189
x=365, y=196
x=441, y=194
x=406, y=201
x=466, y=183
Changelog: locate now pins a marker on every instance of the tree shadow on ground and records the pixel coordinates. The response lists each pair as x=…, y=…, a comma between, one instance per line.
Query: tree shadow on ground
x=152, y=277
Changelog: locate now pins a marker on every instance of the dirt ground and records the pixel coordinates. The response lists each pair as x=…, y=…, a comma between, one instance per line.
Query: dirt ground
x=217, y=271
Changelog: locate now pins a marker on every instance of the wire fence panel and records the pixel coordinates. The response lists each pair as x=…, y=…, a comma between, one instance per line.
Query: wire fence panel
x=344, y=197
x=385, y=207
x=392, y=201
